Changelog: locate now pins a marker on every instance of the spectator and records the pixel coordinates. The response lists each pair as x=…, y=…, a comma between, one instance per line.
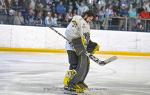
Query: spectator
x=101, y=14
x=115, y=3
x=54, y=20
x=39, y=6
x=60, y=8
x=96, y=22
x=3, y=10
x=14, y=4
x=27, y=4
x=115, y=19
x=48, y=1
x=70, y=6
x=38, y=19
x=18, y=19
x=132, y=14
x=48, y=5
x=32, y=4
x=94, y=7
x=101, y=2
x=47, y=20
x=60, y=20
x=65, y=21
x=65, y=9
x=108, y=14
x=138, y=3
x=123, y=3
x=10, y=17
x=69, y=15
x=144, y=14
x=109, y=11
x=30, y=18
x=8, y=5
x=53, y=7
x=74, y=12
x=123, y=12
x=20, y=4
x=146, y=5
x=82, y=7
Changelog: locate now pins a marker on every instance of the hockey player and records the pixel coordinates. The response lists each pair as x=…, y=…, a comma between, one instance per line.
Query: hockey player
x=78, y=34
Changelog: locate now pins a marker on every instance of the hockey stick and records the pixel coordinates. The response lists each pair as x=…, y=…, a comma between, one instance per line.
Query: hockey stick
x=92, y=57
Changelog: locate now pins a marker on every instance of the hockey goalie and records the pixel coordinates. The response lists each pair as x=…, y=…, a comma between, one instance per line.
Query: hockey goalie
x=78, y=33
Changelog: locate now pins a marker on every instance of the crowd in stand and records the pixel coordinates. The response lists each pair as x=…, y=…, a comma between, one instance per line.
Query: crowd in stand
x=109, y=14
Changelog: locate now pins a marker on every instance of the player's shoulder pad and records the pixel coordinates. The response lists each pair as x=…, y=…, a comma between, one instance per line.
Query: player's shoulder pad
x=76, y=20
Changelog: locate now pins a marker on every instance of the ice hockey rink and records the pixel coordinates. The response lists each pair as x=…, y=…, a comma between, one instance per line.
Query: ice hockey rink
x=43, y=73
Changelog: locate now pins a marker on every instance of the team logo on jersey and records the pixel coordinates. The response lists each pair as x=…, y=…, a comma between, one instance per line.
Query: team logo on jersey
x=74, y=23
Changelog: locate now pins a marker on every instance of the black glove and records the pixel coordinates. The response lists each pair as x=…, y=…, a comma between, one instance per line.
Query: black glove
x=92, y=47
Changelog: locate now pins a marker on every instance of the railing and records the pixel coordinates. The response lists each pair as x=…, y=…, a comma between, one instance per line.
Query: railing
x=129, y=24
x=123, y=24
x=112, y=23
x=146, y=25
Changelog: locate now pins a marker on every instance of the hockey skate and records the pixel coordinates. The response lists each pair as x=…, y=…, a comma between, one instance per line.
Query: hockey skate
x=75, y=88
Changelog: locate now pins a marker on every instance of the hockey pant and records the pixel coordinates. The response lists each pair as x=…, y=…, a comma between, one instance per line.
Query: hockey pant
x=80, y=63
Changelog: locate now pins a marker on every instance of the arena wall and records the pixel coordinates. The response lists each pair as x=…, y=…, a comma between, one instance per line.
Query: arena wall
x=12, y=36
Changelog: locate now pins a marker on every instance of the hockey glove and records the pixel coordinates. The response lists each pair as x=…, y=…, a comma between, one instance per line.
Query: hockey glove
x=92, y=47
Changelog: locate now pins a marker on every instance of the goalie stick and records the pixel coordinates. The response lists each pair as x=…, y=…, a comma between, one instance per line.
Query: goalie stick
x=92, y=57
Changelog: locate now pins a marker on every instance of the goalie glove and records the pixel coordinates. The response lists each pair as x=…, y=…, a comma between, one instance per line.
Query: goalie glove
x=92, y=47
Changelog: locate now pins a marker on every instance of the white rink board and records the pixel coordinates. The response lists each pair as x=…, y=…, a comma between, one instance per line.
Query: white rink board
x=5, y=36
x=28, y=37
x=42, y=37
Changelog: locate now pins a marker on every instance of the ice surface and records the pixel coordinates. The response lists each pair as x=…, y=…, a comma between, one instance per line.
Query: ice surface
x=43, y=73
